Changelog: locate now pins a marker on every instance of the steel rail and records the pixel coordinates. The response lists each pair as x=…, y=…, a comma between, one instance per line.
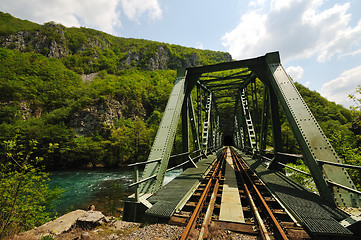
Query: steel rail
x=261, y=225
x=207, y=217
x=191, y=223
x=279, y=229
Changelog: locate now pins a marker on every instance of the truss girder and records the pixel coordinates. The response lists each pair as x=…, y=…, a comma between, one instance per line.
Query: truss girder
x=192, y=119
x=164, y=139
x=278, y=90
x=238, y=75
x=312, y=140
x=220, y=85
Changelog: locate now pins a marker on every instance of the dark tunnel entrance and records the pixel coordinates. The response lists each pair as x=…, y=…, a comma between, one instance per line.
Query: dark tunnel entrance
x=228, y=140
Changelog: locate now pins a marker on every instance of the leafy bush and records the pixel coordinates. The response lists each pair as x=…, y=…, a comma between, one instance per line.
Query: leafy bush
x=24, y=192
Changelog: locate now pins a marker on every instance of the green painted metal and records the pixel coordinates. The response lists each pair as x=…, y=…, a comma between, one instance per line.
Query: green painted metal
x=264, y=120
x=192, y=120
x=278, y=91
x=276, y=126
x=311, y=138
x=164, y=139
x=185, y=126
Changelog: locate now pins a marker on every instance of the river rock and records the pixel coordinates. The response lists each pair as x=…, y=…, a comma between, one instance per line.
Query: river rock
x=58, y=226
x=91, y=219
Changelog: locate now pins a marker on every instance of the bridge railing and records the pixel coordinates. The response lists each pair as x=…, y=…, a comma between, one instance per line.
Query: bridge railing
x=190, y=160
x=320, y=162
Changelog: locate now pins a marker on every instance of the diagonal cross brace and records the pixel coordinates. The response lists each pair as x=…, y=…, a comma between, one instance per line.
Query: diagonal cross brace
x=312, y=140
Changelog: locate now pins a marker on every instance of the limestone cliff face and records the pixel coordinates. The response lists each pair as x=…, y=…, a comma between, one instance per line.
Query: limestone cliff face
x=159, y=60
x=89, y=52
x=38, y=41
x=54, y=40
x=96, y=117
x=102, y=113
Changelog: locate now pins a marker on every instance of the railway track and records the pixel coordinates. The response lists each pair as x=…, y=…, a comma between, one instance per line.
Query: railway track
x=251, y=211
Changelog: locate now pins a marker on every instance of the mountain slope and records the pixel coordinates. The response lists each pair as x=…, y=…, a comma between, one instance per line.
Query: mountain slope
x=86, y=50
x=96, y=95
x=92, y=94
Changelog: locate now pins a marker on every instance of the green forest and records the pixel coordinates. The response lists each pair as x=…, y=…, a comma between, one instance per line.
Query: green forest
x=79, y=98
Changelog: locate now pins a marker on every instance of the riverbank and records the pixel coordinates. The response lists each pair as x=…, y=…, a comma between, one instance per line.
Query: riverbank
x=88, y=225
x=93, y=225
x=104, y=188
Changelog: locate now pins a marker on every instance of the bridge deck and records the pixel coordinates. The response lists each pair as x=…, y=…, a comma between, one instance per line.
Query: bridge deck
x=231, y=207
x=171, y=197
x=307, y=207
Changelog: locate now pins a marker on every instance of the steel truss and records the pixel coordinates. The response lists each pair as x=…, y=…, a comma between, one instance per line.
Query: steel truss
x=227, y=96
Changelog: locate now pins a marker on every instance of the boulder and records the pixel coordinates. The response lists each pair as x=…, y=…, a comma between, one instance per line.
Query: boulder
x=91, y=219
x=58, y=226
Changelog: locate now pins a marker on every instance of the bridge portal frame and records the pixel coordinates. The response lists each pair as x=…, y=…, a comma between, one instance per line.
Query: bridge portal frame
x=278, y=91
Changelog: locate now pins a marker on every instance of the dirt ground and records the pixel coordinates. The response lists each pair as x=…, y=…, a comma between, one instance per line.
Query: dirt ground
x=93, y=225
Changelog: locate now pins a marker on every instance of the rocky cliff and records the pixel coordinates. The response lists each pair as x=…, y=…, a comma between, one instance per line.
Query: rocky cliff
x=90, y=54
x=94, y=117
x=98, y=50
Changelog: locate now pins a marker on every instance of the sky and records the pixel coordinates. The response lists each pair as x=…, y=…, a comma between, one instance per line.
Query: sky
x=319, y=40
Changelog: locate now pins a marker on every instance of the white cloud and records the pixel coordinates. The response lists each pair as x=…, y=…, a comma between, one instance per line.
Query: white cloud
x=241, y=41
x=353, y=53
x=295, y=72
x=256, y=3
x=134, y=8
x=296, y=28
x=338, y=89
x=103, y=15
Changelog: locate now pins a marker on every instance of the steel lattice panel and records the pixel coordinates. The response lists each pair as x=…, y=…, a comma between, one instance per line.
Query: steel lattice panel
x=307, y=207
x=169, y=198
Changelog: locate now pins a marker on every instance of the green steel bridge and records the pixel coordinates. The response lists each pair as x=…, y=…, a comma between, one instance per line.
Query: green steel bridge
x=238, y=104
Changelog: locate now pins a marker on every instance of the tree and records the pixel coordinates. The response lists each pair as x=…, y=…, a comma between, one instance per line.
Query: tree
x=357, y=100
x=24, y=193
x=87, y=150
x=131, y=141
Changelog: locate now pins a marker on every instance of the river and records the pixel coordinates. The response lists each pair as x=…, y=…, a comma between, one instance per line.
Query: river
x=104, y=188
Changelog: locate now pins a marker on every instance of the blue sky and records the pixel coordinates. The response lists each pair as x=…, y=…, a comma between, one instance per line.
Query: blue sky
x=319, y=40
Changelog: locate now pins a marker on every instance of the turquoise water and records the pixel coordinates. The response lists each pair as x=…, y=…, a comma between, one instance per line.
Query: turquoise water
x=104, y=188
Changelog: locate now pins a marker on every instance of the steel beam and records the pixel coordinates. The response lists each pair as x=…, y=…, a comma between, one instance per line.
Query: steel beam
x=312, y=140
x=268, y=69
x=185, y=126
x=164, y=139
x=193, y=123
x=264, y=120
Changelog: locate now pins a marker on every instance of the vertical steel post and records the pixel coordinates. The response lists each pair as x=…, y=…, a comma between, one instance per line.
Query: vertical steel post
x=276, y=128
x=136, y=171
x=264, y=120
x=185, y=127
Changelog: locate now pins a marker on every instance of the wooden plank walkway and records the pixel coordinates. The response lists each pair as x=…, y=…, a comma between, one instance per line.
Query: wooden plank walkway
x=231, y=207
